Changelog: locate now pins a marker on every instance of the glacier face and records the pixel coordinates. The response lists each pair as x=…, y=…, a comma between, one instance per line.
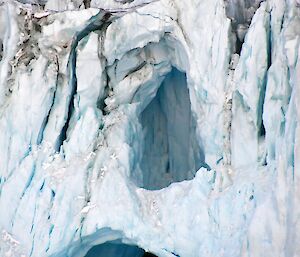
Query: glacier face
x=170, y=125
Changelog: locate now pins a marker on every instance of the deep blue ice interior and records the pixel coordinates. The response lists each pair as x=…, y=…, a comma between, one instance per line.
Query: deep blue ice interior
x=171, y=153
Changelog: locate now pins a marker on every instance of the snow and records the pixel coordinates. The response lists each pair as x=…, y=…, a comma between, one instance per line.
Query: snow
x=152, y=127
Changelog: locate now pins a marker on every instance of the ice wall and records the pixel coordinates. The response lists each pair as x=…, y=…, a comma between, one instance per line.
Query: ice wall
x=79, y=89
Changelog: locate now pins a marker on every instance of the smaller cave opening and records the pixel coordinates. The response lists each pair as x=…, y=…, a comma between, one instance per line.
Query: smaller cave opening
x=87, y=4
x=117, y=249
x=171, y=149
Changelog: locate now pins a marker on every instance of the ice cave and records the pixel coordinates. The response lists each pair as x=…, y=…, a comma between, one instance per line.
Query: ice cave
x=116, y=249
x=170, y=152
x=143, y=128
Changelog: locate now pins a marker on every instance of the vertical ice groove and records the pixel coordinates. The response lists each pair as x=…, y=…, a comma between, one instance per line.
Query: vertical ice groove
x=280, y=119
x=248, y=93
x=98, y=22
x=46, y=119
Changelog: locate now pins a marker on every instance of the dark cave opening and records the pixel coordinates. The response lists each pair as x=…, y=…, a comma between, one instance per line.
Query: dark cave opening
x=1, y=49
x=171, y=152
x=117, y=249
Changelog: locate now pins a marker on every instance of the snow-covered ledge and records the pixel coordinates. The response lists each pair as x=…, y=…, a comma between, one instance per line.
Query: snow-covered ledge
x=154, y=124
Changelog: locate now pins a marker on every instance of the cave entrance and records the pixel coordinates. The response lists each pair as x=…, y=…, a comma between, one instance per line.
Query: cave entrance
x=171, y=152
x=116, y=249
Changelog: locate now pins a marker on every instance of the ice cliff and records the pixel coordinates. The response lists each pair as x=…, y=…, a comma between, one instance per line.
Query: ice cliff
x=169, y=125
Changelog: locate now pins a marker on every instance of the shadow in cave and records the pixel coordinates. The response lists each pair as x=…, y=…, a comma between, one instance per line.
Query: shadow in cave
x=171, y=149
x=116, y=249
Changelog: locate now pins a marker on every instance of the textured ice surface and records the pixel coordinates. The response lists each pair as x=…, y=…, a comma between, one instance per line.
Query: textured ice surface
x=100, y=106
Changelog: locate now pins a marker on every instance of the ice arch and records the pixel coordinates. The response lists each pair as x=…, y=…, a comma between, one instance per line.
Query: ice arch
x=171, y=152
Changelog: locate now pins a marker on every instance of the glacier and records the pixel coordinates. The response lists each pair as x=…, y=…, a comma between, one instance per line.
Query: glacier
x=130, y=127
